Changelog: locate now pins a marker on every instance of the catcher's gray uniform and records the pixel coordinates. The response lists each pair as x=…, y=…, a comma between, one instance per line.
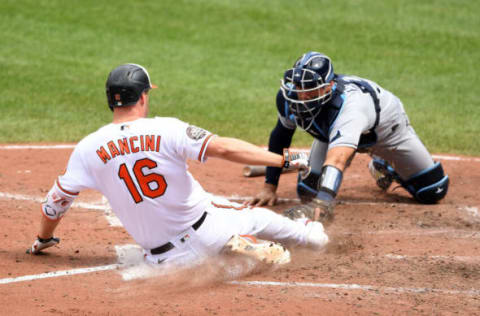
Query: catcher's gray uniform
x=396, y=141
x=362, y=115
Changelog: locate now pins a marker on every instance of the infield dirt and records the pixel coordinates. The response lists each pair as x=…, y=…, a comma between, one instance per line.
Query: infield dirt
x=388, y=255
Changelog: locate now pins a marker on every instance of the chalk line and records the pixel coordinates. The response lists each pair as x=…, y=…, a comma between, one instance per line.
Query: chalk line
x=127, y=255
x=467, y=259
x=369, y=288
x=131, y=266
x=58, y=274
x=100, y=206
x=115, y=222
x=60, y=146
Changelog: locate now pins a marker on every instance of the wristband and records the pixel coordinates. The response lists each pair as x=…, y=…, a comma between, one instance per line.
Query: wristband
x=286, y=158
x=44, y=240
x=330, y=180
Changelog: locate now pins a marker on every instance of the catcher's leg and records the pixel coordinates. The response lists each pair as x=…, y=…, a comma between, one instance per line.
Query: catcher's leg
x=413, y=167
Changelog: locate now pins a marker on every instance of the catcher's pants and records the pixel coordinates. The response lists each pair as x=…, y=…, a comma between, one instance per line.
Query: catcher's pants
x=225, y=219
x=402, y=148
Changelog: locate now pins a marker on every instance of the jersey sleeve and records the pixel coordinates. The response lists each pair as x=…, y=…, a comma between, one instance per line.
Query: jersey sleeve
x=77, y=176
x=192, y=141
x=357, y=116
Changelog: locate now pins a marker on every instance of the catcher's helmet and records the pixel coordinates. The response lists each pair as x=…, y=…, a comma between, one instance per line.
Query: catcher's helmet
x=305, y=86
x=125, y=84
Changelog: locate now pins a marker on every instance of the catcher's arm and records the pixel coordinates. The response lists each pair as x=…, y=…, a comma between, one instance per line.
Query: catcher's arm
x=321, y=207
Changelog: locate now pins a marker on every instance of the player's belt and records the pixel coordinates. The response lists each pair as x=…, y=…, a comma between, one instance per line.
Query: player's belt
x=168, y=246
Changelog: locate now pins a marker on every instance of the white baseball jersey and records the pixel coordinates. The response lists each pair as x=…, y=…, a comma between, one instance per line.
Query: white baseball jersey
x=140, y=167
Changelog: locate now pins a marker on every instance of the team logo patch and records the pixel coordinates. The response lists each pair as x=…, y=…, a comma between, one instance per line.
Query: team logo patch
x=49, y=211
x=195, y=132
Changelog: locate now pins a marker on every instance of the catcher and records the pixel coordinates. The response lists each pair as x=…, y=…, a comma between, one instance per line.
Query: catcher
x=345, y=115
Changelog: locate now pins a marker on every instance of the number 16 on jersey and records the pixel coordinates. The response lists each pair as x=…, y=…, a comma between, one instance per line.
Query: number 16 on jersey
x=151, y=185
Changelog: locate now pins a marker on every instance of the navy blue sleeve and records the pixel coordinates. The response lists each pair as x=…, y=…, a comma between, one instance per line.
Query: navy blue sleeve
x=280, y=138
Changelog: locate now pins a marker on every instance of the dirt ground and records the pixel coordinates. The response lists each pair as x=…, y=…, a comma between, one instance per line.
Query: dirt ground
x=388, y=255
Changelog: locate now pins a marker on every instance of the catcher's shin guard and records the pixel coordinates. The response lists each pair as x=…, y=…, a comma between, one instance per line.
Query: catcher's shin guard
x=262, y=250
x=428, y=186
x=307, y=185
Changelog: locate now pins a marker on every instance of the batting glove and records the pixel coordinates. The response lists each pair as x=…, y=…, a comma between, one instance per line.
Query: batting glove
x=295, y=160
x=315, y=210
x=39, y=244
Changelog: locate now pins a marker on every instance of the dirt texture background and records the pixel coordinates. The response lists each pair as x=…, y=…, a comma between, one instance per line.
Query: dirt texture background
x=388, y=255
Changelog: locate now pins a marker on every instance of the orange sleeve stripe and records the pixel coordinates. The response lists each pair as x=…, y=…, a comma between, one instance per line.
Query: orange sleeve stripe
x=238, y=208
x=65, y=191
x=204, y=147
x=48, y=218
x=251, y=237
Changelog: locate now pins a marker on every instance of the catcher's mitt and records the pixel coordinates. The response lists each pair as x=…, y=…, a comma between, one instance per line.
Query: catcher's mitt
x=315, y=210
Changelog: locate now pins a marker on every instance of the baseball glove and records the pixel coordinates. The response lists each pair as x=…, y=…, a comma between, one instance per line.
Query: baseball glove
x=315, y=210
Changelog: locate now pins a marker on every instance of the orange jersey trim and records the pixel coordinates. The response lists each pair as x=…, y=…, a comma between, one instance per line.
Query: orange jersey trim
x=204, y=147
x=251, y=237
x=65, y=191
x=238, y=208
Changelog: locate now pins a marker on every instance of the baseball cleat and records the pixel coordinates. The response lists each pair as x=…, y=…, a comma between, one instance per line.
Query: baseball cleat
x=381, y=172
x=262, y=250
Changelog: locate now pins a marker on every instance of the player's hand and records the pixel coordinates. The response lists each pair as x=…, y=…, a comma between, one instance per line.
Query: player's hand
x=266, y=197
x=295, y=160
x=39, y=244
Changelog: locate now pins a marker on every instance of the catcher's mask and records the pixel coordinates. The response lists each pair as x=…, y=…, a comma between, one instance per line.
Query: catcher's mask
x=125, y=85
x=307, y=87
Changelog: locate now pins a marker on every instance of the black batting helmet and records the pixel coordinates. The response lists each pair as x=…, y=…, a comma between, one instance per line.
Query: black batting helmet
x=125, y=85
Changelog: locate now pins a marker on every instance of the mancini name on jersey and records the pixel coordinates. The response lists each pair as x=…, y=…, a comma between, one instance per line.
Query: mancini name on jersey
x=129, y=145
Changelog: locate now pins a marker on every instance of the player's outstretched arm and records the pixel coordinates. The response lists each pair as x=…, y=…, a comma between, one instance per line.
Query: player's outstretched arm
x=240, y=151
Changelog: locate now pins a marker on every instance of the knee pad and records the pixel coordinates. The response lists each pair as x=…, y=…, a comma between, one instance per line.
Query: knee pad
x=429, y=186
x=307, y=186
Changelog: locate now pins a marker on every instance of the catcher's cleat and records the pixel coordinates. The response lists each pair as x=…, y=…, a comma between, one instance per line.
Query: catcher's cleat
x=315, y=210
x=382, y=172
x=262, y=250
